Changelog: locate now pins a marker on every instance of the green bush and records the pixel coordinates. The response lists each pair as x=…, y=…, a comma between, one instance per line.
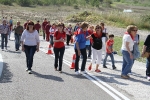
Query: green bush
x=6, y=2
x=76, y=6
x=25, y=3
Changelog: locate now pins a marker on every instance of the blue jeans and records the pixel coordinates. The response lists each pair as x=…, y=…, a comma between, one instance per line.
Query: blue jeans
x=17, y=41
x=4, y=39
x=127, y=63
x=112, y=59
x=88, y=47
x=59, y=53
x=148, y=67
x=51, y=40
x=84, y=55
x=29, y=51
x=147, y=62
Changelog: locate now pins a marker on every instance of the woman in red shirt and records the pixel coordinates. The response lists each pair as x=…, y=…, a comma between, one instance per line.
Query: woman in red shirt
x=59, y=46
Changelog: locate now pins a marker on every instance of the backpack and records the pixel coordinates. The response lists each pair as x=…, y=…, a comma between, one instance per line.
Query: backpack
x=97, y=43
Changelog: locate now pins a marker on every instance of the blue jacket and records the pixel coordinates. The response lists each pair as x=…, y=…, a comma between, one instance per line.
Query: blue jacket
x=81, y=39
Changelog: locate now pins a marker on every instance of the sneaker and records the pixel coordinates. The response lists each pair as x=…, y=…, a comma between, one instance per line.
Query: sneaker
x=114, y=67
x=77, y=73
x=26, y=69
x=97, y=70
x=29, y=71
x=90, y=67
x=2, y=49
x=60, y=71
x=55, y=69
x=104, y=66
x=148, y=78
x=83, y=72
x=89, y=57
x=125, y=76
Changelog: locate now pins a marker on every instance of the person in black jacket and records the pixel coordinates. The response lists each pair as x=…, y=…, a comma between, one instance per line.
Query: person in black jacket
x=146, y=48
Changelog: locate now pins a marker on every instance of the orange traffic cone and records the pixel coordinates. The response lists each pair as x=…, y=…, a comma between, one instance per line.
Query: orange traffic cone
x=49, y=50
x=73, y=62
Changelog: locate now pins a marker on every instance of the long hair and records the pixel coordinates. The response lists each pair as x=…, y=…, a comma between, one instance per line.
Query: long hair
x=30, y=23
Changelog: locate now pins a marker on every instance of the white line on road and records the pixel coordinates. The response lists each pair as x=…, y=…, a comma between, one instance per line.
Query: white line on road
x=1, y=65
x=97, y=81
x=111, y=88
x=102, y=87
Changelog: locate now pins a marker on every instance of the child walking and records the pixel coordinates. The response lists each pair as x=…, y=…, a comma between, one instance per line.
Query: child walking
x=109, y=51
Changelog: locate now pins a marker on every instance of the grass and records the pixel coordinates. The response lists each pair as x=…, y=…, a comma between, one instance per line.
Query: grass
x=114, y=18
x=118, y=44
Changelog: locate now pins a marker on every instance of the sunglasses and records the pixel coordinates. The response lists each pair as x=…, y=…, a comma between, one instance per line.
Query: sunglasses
x=97, y=28
x=135, y=30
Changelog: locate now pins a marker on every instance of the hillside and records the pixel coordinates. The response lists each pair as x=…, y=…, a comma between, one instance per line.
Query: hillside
x=111, y=15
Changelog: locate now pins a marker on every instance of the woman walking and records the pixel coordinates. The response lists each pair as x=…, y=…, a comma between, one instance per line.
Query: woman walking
x=97, y=47
x=127, y=49
x=59, y=46
x=30, y=43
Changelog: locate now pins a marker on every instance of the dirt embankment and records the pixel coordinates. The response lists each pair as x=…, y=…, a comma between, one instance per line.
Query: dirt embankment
x=120, y=31
x=57, y=15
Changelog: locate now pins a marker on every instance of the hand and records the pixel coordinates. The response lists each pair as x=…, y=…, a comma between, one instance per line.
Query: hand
x=23, y=49
x=37, y=49
x=131, y=56
x=61, y=40
x=142, y=55
x=79, y=52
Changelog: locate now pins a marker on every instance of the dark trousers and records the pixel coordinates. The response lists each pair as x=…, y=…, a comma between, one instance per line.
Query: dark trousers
x=44, y=34
x=29, y=51
x=47, y=36
x=38, y=31
x=59, y=53
x=148, y=67
x=84, y=55
x=4, y=39
x=51, y=40
x=68, y=39
x=17, y=41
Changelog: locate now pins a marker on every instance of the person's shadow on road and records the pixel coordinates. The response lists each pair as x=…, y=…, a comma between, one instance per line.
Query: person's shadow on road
x=55, y=78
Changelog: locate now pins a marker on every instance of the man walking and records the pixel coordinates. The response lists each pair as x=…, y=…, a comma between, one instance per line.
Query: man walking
x=18, y=32
x=43, y=27
x=4, y=31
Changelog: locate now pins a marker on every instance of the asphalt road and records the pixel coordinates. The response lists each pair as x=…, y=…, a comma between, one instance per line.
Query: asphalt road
x=44, y=83
x=47, y=84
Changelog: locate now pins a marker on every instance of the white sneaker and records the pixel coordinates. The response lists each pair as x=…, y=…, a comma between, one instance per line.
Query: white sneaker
x=29, y=71
x=83, y=72
x=77, y=73
x=148, y=78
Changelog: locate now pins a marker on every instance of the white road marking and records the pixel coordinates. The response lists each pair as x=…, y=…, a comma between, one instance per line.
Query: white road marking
x=108, y=86
x=98, y=82
x=1, y=65
x=102, y=87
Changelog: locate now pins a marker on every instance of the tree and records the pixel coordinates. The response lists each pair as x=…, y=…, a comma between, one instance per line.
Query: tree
x=24, y=2
x=6, y=2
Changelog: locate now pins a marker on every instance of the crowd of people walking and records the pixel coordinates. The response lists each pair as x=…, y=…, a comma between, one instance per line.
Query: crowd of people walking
x=89, y=43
